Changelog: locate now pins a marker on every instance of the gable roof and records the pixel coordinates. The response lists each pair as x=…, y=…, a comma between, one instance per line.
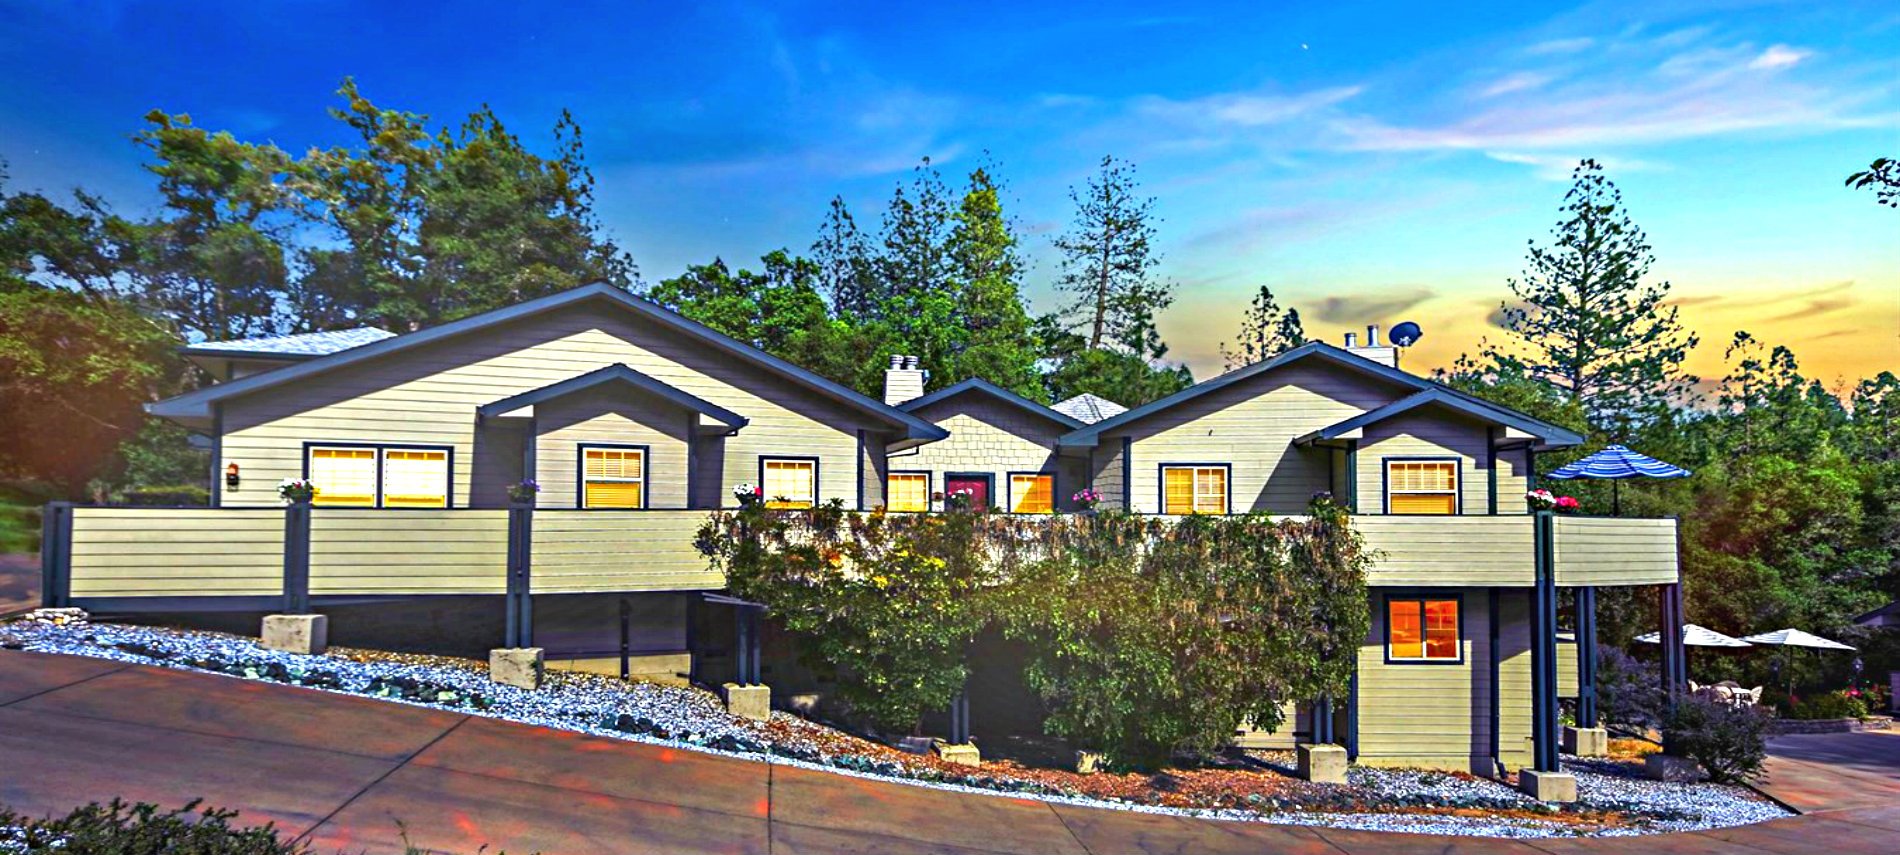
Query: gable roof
x=299, y=346
x=1088, y=408
x=616, y=373
x=197, y=404
x=1551, y=435
x=982, y=386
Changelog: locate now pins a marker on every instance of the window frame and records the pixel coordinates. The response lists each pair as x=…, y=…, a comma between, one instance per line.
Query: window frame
x=989, y=486
x=816, y=467
x=1457, y=483
x=1055, y=500
x=1161, y=486
x=929, y=483
x=580, y=472
x=1420, y=596
x=448, y=502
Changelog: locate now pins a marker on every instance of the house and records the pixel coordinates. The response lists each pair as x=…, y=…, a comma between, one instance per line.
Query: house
x=635, y=421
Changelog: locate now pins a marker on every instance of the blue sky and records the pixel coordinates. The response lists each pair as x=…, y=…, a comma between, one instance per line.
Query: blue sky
x=1372, y=162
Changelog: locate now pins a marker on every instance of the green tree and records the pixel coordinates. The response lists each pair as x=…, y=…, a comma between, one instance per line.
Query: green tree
x=1588, y=324
x=1882, y=177
x=847, y=269
x=1264, y=331
x=998, y=342
x=1109, y=261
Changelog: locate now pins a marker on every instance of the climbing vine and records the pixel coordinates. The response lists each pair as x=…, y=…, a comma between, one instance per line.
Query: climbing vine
x=1150, y=636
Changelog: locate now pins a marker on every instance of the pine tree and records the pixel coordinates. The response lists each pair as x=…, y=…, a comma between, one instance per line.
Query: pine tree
x=987, y=277
x=1109, y=261
x=1588, y=324
x=1266, y=330
x=847, y=272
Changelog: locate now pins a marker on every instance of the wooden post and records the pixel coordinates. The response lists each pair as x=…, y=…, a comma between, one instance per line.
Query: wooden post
x=1323, y=722
x=1544, y=724
x=1587, y=657
x=519, y=631
x=297, y=558
x=56, y=555
x=960, y=719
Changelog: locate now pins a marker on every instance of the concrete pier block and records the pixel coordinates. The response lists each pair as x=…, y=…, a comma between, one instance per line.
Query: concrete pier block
x=748, y=701
x=1586, y=741
x=1548, y=786
x=308, y=634
x=962, y=755
x=521, y=667
x=1322, y=764
x=1663, y=767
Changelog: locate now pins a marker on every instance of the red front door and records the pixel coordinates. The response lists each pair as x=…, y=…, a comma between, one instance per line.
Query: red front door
x=977, y=487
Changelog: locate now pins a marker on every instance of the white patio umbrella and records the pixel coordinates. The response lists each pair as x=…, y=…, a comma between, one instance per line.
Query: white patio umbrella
x=1697, y=636
x=1795, y=638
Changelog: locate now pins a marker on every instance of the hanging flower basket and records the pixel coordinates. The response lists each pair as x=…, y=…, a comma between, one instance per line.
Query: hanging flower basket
x=523, y=493
x=296, y=491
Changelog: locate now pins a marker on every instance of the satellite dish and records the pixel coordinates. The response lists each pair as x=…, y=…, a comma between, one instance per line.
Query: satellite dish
x=1406, y=333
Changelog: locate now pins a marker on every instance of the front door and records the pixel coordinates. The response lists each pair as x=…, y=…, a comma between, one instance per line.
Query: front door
x=977, y=486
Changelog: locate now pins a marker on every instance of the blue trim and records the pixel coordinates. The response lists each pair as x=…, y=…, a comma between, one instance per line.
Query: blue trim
x=1055, y=488
x=449, y=499
x=1552, y=435
x=192, y=404
x=1385, y=482
x=1491, y=473
x=817, y=484
x=1161, y=484
x=580, y=472
x=616, y=373
x=859, y=468
x=217, y=457
x=978, y=384
x=1352, y=476
x=1497, y=696
x=1449, y=399
x=1128, y=474
x=1420, y=595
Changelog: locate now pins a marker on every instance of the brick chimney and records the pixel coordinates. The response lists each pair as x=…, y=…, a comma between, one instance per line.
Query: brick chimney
x=1384, y=354
x=903, y=381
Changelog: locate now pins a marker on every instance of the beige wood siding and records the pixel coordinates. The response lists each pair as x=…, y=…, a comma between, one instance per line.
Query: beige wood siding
x=1457, y=550
x=408, y=552
x=1433, y=715
x=873, y=465
x=429, y=395
x=1514, y=469
x=165, y=552
x=1615, y=551
x=600, y=551
x=1514, y=677
x=1252, y=425
x=600, y=418
x=1427, y=432
x=990, y=437
x=1106, y=461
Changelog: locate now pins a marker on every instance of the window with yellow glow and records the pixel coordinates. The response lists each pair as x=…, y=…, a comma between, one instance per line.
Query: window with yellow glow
x=1032, y=494
x=1194, y=489
x=790, y=483
x=344, y=477
x=1421, y=486
x=415, y=478
x=1423, y=630
x=907, y=491
x=613, y=478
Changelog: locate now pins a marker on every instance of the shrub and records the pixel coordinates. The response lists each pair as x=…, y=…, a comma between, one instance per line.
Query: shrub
x=1629, y=690
x=141, y=829
x=1829, y=705
x=1730, y=742
x=180, y=495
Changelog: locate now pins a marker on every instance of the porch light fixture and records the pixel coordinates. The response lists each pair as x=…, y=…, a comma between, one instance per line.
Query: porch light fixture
x=231, y=475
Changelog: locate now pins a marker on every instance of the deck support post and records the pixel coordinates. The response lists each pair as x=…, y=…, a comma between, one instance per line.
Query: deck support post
x=1322, y=732
x=56, y=555
x=1675, y=669
x=297, y=558
x=1587, y=657
x=519, y=629
x=1544, y=721
x=960, y=718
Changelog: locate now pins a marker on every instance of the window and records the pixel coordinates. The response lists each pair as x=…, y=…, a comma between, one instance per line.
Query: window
x=613, y=477
x=907, y=491
x=379, y=476
x=789, y=482
x=1422, y=630
x=415, y=478
x=1421, y=486
x=343, y=476
x=1032, y=493
x=1194, y=489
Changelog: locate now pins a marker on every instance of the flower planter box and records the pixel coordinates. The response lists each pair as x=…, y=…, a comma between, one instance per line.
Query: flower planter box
x=1791, y=726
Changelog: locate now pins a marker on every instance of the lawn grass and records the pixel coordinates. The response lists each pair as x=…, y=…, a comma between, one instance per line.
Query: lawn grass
x=19, y=526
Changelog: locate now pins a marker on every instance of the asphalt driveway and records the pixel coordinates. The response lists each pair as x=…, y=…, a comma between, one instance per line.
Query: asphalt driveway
x=350, y=774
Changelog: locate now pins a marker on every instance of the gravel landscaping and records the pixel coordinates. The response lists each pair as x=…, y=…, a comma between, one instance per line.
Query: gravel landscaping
x=1614, y=800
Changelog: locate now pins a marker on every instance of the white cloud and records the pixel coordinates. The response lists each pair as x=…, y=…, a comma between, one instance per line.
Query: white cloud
x=1557, y=167
x=1777, y=57
x=1520, y=82
x=1247, y=109
x=1559, y=46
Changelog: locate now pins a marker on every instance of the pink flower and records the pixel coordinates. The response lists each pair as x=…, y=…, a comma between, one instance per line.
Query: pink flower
x=1567, y=503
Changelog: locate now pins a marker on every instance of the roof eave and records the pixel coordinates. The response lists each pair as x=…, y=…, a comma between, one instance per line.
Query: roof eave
x=978, y=384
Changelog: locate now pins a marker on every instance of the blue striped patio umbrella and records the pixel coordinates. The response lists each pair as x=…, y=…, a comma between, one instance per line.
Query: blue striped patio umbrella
x=1614, y=464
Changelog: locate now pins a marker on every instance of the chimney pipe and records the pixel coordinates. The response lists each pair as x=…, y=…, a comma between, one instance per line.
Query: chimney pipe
x=897, y=360
x=1352, y=340
x=903, y=381
x=1372, y=335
